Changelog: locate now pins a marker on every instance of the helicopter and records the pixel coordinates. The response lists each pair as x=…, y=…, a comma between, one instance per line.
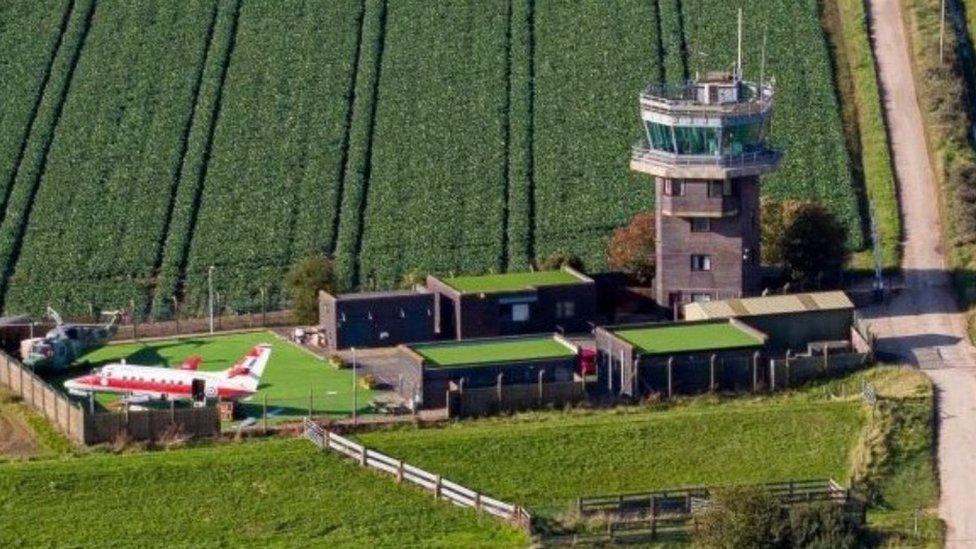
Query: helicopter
x=64, y=343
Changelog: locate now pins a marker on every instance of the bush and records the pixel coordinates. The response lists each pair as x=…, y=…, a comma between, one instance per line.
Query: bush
x=559, y=259
x=305, y=279
x=631, y=248
x=750, y=517
x=739, y=518
x=804, y=237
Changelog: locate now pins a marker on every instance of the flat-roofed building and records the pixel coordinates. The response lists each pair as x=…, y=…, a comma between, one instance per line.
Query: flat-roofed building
x=792, y=321
x=376, y=319
x=491, y=305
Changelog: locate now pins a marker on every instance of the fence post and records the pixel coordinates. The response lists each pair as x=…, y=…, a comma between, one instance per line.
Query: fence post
x=788, y=356
x=711, y=372
x=541, y=373
x=755, y=372
x=654, y=516
x=477, y=502
x=772, y=375
x=826, y=358
x=363, y=456
x=437, y=487
x=399, y=473
x=499, y=385
x=670, y=378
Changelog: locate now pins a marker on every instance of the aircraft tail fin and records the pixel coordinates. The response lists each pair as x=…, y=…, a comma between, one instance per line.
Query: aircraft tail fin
x=251, y=367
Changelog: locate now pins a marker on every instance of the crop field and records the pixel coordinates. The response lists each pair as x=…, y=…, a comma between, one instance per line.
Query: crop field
x=144, y=143
x=292, y=375
x=258, y=493
x=528, y=458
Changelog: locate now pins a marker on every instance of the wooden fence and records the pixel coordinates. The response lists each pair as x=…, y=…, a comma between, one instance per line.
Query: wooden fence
x=82, y=427
x=646, y=514
x=441, y=487
x=483, y=401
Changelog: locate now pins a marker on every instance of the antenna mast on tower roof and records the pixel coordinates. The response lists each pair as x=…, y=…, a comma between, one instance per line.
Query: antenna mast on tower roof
x=738, y=64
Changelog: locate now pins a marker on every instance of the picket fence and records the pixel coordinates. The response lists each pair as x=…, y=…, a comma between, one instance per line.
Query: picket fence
x=441, y=487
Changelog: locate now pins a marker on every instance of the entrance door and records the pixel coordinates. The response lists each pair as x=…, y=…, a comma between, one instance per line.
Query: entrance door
x=198, y=390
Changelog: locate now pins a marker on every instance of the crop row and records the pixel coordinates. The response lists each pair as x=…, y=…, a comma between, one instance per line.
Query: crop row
x=436, y=189
x=30, y=39
x=269, y=196
x=40, y=137
x=520, y=212
x=586, y=120
x=360, y=147
x=673, y=39
x=806, y=123
x=197, y=147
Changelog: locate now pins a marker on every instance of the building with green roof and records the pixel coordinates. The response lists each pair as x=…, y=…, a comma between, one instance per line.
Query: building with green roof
x=491, y=305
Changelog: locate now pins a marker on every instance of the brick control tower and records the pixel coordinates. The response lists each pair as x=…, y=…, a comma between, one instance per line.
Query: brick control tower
x=705, y=143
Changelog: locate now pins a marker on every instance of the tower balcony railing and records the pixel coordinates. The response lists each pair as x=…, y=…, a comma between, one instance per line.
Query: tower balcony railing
x=678, y=100
x=642, y=153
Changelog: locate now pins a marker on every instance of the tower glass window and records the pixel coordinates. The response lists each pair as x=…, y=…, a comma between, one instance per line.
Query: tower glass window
x=697, y=140
x=659, y=137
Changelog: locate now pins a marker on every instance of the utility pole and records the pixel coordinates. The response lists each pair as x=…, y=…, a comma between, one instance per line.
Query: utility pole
x=210, y=296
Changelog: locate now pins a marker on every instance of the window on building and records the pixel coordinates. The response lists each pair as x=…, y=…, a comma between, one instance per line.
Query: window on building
x=674, y=187
x=715, y=188
x=729, y=187
x=701, y=225
x=565, y=309
x=520, y=312
x=700, y=262
x=701, y=297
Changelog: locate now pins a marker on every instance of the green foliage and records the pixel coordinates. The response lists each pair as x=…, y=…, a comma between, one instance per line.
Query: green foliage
x=559, y=259
x=28, y=38
x=822, y=526
x=305, y=280
x=806, y=122
x=520, y=136
x=252, y=494
x=741, y=517
x=586, y=121
x=813, y=242
x=436, y=192
x=673, y=40
x=270, y=193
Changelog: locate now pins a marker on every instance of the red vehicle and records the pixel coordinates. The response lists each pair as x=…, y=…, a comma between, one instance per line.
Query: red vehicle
x=587, y=362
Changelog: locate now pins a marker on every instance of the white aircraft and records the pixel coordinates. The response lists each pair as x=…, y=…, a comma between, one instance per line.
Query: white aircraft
x=140, y=383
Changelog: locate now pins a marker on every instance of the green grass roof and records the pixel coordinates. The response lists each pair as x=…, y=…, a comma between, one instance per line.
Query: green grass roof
x=687, y=338
x=510, y=282
x=491, y=352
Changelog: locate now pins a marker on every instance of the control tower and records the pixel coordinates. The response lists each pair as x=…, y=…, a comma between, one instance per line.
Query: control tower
x=705, y=143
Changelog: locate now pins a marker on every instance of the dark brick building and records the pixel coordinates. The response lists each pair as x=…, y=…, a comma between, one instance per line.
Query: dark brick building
x=376, y=319
x=513, y=303
x=705, y=143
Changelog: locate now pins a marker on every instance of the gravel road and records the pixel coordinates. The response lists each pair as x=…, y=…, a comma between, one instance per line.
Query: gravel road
x=923, y=324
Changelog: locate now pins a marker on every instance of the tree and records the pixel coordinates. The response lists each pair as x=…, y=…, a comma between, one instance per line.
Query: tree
x=631, y=248
x=804, y=237
x=412, y=278
x=814, y=242
x=560, y=259
x=304, y=281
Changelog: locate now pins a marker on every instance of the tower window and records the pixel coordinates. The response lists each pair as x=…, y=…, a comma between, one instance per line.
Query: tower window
x=701, y=262
x=715, y=189
x=701, y=298
x=674, y=187
x=701, y=225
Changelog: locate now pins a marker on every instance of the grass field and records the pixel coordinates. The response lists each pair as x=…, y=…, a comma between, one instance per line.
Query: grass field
x=687, y=338
x=546, y=460
x=509, y=282
x=492, y=351
x=290, y=376
x=253, y=494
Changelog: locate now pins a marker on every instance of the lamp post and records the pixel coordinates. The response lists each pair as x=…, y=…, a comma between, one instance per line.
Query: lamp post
x=355, y=387
x=210, y=296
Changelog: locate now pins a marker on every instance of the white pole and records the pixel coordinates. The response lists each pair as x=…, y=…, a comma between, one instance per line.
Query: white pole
x=738, y=64
x=355, y=387
x=210, y=296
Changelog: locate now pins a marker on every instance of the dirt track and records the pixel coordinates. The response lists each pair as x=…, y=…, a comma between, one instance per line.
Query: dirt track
x=922, y=324
x=16, y=439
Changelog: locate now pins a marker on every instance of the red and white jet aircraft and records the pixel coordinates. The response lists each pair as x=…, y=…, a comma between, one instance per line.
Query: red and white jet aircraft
x=183, y=383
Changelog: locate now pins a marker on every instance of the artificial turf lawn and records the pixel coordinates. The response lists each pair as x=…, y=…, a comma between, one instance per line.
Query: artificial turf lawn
x=492, y=351
x=290, y=375
x=508, y=282
x=259, y=493
x=547, y=460
x=687, y=338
